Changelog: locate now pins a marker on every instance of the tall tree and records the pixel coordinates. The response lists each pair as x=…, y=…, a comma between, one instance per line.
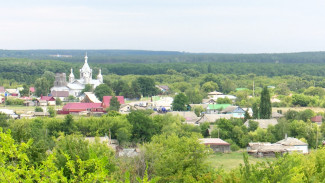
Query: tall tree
x=25, y=91
x=180, y=102
x=42, y=86
x=114, y=104
x=265, y=105
x=88, y=88
x=147, y=86
x=103, y=90
x=255, y=111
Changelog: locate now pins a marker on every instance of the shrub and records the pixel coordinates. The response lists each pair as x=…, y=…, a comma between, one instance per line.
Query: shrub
x=38, y=109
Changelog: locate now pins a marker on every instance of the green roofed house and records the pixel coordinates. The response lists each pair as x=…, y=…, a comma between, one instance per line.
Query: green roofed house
x=215, y=108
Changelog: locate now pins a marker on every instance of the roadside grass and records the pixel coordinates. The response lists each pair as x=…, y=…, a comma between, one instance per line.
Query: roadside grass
x=229, y=161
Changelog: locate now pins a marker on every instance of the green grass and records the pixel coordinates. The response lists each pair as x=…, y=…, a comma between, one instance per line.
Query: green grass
x=229, y=161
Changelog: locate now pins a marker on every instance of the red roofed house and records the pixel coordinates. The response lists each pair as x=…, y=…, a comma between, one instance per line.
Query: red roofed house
x=32, y=90
x=317, y=119
x=92, y=107
x=107, y=100
x=216, y=144
x=78, y=107
x=45, y=100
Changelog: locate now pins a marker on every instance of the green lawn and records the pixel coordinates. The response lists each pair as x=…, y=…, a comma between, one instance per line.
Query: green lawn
x=232, y=160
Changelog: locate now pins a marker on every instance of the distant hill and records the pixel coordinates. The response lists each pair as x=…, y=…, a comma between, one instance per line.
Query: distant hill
x=143, y=56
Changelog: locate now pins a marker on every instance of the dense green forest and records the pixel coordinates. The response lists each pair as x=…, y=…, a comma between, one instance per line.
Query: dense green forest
x=27, y=70
x=143, y=56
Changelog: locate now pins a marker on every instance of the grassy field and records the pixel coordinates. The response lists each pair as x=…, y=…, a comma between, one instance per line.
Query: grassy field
x=232, y=160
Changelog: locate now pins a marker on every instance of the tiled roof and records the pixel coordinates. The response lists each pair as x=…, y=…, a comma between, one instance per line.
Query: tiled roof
x=81, y=106
x=290, y=141
x=47, y=98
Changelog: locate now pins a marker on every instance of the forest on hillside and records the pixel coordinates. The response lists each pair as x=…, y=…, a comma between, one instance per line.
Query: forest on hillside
x=144, y=56
x=28, y=70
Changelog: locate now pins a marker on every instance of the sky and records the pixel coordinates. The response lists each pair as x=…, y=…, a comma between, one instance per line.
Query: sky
x=201, y=26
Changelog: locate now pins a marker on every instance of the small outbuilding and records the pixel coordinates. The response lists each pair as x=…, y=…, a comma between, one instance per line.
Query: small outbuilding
x=216, y=144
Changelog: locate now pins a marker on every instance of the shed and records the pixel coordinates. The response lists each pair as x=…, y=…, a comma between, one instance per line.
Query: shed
x=263, y=149
x=216, y=144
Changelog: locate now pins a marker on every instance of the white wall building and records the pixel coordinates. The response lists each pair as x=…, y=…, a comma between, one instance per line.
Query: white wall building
x=75, y=86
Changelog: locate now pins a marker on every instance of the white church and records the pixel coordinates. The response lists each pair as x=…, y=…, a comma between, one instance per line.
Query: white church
x=62, y=88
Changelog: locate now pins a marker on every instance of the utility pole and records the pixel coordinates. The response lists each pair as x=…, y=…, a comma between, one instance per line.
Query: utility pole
x=316, y=137
x=253, y=88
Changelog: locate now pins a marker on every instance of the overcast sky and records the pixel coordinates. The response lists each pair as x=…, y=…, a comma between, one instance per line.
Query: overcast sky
x=222, y=26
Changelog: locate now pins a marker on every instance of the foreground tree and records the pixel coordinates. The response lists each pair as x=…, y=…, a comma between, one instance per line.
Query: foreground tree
x=183, y=158
x=265, y=105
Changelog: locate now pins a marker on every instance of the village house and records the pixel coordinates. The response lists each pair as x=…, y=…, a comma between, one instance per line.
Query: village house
x=12, y=93
x=90, y=98
x=265, y=149
x=79, y=107
x=215, y=108
x=287, y=145
x=235, y=111
x=293, y=144
x=216, y=144
x=208, y=101
x=46, y=101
